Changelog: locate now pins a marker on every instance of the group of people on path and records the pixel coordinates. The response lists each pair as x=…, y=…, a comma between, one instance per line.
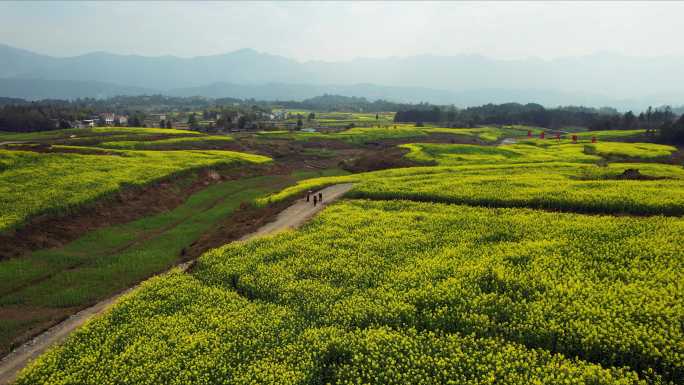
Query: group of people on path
x=317, y=197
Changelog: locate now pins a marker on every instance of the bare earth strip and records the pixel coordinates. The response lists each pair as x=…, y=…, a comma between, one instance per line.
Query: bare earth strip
x=290, y=218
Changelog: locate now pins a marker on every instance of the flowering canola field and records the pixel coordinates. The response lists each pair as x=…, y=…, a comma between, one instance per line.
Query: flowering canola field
x=400, y=292
x=444, y=274
x=545, y=176
x=33, y=184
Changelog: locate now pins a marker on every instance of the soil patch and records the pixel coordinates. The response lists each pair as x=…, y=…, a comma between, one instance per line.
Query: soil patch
x=380, y=159
x=634, y=174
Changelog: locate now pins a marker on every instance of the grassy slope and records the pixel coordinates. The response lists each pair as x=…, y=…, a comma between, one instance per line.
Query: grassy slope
x=34, y=184
x=399, y=292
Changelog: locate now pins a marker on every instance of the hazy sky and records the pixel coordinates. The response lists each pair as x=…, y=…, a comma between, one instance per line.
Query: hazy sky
x=340, y=31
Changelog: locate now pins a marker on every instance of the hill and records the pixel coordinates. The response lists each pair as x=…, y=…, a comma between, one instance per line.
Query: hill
x=461, y=79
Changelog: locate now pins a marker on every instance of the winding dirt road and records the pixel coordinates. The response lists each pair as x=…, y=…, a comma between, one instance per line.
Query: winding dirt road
x=292, y=217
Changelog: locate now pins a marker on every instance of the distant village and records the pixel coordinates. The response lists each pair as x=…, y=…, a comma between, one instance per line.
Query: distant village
x=201, y=121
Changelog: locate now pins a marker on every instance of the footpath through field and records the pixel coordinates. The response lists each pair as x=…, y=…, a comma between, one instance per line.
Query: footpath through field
x=292, y=217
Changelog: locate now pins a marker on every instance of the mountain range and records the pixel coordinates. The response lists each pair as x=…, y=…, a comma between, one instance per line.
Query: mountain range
x=594, y=80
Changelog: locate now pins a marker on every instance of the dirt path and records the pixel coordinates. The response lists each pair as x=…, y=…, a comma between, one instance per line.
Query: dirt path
x=299, y=212
x=292, y=217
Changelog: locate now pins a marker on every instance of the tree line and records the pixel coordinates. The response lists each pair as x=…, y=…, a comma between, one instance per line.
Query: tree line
x=19, y=115
x=662, y=119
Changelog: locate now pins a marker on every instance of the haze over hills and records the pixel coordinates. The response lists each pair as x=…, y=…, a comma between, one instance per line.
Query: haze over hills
x=594, y=80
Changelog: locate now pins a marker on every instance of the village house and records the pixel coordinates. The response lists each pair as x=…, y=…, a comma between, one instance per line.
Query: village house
x=113, y=119
x=280, y=115
x=108, y=118
x=87, y=123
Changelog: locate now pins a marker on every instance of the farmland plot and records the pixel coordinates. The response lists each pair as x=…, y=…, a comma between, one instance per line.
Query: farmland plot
x=396, y=292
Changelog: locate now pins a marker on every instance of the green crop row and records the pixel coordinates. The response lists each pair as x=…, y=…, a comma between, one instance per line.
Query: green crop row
x=404, y=292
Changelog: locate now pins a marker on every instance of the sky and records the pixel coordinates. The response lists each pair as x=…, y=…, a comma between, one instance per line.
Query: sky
x=337, y=31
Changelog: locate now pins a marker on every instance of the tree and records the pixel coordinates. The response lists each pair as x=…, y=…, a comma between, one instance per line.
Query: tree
x=311, y=116
x=242, y=122
x=629, y=120
x=377, y=117
x=135, y=120
x=299, y=123
x=162, y=123
x=192, y=120
x=168, y=124
x=672, y=132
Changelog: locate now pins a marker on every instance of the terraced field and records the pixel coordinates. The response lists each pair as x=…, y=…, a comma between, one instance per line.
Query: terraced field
x=361, y=135
x=33, y=184
x=554, y=177
x=97, y=134
x=481, y=267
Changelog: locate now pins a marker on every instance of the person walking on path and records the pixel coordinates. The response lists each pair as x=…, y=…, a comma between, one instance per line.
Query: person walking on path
x=308, y=196
x=320, y=197
x=315, y=200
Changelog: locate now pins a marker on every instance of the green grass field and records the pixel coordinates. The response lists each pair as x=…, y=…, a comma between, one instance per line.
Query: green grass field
x=404, y=292
x=33, y=184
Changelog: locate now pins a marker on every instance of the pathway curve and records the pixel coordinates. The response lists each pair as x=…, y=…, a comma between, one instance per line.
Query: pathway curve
x=292, y=217
x=300, y=212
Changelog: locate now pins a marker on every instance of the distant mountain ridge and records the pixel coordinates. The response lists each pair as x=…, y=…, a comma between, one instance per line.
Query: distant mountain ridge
x=600, y=79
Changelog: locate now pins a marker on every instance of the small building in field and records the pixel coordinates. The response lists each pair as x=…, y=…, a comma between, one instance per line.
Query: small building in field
x=87, y=123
